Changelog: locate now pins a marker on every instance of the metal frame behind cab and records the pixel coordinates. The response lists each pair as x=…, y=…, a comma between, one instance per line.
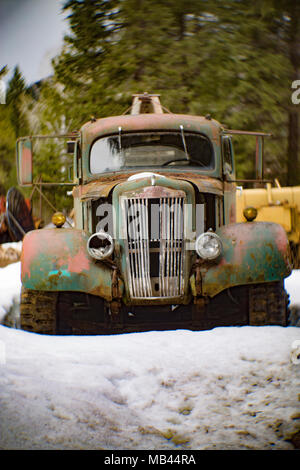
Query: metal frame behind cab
x=73, y=136
x=259, y=153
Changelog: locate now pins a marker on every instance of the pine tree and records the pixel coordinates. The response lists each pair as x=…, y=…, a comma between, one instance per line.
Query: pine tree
x=289, y=13
x=15, y=100
x=13, y=123
x=245, y=78
x=94, y=25
x=7, y=149
x=232, y=60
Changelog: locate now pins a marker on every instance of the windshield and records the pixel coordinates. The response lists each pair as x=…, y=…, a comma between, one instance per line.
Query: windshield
x=150, y=149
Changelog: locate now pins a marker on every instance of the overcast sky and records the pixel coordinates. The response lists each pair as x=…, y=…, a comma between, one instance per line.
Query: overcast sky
x=31, y=33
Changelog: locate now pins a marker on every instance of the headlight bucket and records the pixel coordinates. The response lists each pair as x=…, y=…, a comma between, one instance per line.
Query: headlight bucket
x=100, y=245
x=250, y=213
x=58, y=219
x=208, y=246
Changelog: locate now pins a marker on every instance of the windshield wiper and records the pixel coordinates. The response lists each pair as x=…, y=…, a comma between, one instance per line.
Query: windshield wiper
x=120, y=142
x=184, y=143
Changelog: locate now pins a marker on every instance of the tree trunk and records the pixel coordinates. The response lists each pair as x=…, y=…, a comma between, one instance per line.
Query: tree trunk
x=293, y=148
x=293, y=175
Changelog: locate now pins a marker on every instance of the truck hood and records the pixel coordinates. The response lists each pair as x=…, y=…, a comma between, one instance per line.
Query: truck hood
x=102, y=187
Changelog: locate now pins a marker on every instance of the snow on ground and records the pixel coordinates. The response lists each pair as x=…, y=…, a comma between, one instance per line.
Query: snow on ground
x=292, y=286
x=227, y=388
x=10, y=253
x=10, y=287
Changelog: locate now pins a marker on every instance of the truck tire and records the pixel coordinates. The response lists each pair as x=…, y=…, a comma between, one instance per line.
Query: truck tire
x=78, y=313
x=62, y=313
x=38, y=311
x=268, y=304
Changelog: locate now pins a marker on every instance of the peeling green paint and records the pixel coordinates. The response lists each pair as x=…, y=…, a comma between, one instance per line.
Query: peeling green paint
x=253, y=253
x=57, y=260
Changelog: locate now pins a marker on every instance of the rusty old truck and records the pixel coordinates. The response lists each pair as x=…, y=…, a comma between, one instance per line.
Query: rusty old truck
x=155, y=243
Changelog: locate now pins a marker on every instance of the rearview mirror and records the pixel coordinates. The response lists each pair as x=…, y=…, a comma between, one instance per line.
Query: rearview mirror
x=24, y=161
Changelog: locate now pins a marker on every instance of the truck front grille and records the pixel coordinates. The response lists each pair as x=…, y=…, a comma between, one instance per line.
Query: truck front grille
x=154, y=245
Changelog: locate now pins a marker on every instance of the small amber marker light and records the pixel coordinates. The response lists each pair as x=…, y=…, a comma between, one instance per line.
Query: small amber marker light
x=250, y=213
x=58, y=219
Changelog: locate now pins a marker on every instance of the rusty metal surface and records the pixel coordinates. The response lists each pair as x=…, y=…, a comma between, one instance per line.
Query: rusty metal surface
x=253, y=253
x=253, y=133
x=57, y=260
x=103, y=185
x=149, y=122
x=131, y=189
x=24, y=161
x=155, y=192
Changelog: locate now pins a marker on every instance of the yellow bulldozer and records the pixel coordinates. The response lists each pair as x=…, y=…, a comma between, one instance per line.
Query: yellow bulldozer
x=273, y=204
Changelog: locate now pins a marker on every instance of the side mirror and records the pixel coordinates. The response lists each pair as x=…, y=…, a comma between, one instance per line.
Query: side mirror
x=70, y=146
x=24, y=161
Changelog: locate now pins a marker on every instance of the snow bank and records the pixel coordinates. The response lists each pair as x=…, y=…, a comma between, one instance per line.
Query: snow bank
x=292, y=286
x=227, y=388
x=10, y=253
x=10, y=287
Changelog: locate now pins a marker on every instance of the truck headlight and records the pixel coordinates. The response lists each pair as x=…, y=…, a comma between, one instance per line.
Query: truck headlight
x=208, y=245
x=100, y=245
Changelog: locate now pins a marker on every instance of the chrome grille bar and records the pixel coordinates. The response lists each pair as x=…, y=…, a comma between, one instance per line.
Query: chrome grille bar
x=168, y=282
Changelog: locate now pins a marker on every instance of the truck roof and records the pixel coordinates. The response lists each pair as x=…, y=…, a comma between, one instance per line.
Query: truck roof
x=151, y=122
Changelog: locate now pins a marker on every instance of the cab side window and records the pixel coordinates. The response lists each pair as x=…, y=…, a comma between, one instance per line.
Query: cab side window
x=227, y=155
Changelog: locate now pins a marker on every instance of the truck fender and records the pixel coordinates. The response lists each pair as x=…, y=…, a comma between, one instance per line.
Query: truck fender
x=253, y=253
x=56, y=259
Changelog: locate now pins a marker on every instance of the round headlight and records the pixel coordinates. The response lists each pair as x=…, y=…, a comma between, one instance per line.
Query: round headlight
x=100, y=245
x=58, y=219
x=208, y=245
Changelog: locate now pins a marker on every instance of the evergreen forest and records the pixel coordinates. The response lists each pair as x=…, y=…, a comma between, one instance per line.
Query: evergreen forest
x=234, y=59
